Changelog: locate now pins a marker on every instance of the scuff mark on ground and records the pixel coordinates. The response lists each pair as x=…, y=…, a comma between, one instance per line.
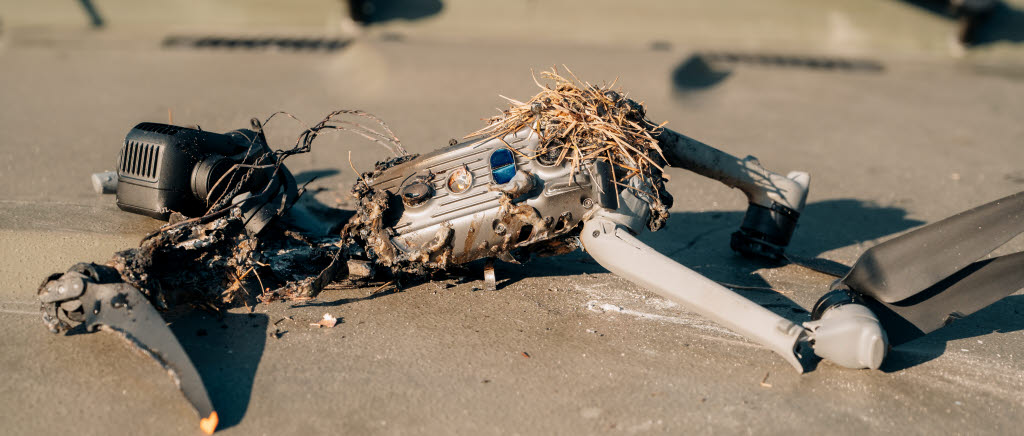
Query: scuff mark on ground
x=604, y=300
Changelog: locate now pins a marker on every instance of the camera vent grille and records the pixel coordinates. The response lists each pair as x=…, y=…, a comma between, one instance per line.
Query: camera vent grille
x=139, y=160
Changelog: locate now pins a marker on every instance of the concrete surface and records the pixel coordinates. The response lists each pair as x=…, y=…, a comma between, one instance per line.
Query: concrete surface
x=927, y=136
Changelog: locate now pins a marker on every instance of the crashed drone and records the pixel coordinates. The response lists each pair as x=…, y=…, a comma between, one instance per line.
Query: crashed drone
x=575, y=166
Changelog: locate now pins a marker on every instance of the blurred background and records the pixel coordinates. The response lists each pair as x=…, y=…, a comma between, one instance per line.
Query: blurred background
x=433, y=68
x=894, y=26
x=903, y=112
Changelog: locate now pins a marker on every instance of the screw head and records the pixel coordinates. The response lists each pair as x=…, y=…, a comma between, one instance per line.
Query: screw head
x=596, y=233
x=588, y=203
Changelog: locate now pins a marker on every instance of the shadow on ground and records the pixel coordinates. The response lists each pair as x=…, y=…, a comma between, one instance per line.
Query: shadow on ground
x=1005, y=316
x=226, y=351
x=309, y=176
x=378, y=11
x=702, y=71
x=1004, y=23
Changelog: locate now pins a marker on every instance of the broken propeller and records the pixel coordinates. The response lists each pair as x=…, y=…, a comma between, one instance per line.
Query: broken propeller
x=95, y=296
x=923, y=280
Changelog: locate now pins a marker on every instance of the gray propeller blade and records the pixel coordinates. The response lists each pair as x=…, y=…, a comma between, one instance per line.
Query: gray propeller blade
x=969, y=290
x=123, y=309
x=903, y=266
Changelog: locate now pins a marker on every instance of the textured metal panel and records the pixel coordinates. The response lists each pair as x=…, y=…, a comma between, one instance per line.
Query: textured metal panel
x=553, y=207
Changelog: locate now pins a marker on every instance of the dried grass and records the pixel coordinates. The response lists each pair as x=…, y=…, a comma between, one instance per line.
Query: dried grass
x=580, y=122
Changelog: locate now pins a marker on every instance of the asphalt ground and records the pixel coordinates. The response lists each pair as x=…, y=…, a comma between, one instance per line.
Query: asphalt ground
x=563, y=347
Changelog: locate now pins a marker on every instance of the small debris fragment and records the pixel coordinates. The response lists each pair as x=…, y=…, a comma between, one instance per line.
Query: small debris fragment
x=764, y=381
x=360, y=270
x=526, y=355
x=490, y=283
x=327, y=321
x=382, y=287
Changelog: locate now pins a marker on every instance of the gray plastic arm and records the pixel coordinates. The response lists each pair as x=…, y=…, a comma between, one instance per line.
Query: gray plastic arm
x=848, y=334
x=616, y=249
x=762, y=187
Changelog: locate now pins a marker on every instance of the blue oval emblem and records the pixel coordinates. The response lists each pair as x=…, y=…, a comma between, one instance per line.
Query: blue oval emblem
x=503, y=166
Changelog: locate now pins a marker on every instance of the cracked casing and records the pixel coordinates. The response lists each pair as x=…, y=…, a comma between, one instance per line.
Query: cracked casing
x=548, y=207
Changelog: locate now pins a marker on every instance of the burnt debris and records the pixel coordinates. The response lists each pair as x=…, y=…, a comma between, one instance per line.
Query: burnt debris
x=211, y=261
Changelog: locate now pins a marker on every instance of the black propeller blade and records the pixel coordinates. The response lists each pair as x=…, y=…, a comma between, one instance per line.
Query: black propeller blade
x=965, y=292
x=901, y=267
x=123, y=309
x=96, y=296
